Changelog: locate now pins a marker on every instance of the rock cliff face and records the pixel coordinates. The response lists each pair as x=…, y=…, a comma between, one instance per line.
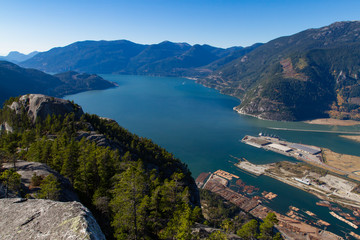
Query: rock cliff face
x=46, y=219
x=38, y=105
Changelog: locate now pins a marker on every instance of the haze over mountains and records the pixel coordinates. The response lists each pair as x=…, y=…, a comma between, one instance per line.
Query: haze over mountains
x=17, y=57
x=15, y=80
x=310, y=74
x=125, y=57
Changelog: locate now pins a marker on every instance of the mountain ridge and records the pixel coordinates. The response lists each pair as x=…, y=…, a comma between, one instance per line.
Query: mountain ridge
x=283, y=79
x=16, y=57
x=289, y=78
x=15, y=80
x=125, y=57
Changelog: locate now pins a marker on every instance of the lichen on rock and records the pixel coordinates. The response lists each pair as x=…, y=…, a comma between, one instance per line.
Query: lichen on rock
x=46, y=219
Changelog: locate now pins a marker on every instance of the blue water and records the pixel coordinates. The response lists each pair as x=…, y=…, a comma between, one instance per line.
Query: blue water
x=198, y=125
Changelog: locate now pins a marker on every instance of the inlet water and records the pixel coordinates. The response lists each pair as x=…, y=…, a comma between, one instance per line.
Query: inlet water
x=199, y=126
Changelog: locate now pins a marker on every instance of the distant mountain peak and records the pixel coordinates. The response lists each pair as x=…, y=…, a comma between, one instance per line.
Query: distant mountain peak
x=122, y=56
x=16, y=57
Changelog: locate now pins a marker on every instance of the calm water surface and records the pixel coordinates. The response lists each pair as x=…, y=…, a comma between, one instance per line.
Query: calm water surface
x=198, y=125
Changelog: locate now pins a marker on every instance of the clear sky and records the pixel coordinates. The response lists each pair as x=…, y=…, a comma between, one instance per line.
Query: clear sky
x=29, y=25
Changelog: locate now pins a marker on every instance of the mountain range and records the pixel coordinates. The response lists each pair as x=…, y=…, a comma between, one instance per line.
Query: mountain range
x=17, y=57
x=15, y=80
x=125, y=57
x=307, y=75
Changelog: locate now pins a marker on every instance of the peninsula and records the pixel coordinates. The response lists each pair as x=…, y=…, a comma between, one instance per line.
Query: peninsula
x=329, y=178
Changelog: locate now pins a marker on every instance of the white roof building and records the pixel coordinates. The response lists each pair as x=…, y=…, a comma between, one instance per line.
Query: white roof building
x=279, y=147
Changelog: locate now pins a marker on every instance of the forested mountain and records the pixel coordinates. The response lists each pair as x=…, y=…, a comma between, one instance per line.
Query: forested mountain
x=298, y=77
x=15, y=80
x=136, y=189
x=17, y=57
x=310, y=74
x=125, y=57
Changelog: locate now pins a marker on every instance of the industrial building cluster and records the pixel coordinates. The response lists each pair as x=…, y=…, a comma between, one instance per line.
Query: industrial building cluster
x=305, y=152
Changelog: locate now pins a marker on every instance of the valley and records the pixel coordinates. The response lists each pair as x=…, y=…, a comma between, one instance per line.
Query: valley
x=198, y=125
x=204, y=105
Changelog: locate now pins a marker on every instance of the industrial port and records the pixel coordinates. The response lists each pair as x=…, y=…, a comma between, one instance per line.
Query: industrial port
x=243, y=196
x=296, y=223
x=325, y=185
x=349, y=166
x=302, y=152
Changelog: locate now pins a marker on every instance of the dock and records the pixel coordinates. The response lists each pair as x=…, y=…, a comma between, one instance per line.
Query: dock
x=297, y=229
x=225, y=175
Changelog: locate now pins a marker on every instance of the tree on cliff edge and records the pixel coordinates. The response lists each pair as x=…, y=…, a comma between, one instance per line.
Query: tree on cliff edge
x=12, y=181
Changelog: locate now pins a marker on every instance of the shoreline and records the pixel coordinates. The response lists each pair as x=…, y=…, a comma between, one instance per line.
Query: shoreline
x=307, y=188
x=333, y=122
x=318, y=121
x=314, y=192
x=313, y=157
x=236, y=109
x=355, y=138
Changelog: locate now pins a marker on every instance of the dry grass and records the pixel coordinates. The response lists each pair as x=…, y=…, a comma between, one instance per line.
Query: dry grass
x=332, y=121
x=345, y=162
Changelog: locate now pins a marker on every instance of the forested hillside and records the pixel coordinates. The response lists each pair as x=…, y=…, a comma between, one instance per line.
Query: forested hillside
x=134, y=187
x=298, y=77
x=15, y=80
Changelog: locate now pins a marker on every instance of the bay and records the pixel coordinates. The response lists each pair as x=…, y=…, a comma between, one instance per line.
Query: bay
x=199, y=126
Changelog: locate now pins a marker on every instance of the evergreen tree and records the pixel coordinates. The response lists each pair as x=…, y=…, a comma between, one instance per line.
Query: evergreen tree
x=129, y=202
x=267, y=226
x=249, y=230
x=217, y=235
x=179, y=227
x=12, y=181
x=70, y=163
x=50, y=188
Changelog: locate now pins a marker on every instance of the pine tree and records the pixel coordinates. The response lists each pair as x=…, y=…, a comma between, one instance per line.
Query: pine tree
x=12, y=181
x=129, y=202
x=50, y=188
x=179, y=227
x=267, y=226
x=249, y=230
x=70, y=163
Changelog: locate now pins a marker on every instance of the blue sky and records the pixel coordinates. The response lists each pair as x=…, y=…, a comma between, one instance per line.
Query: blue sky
x=29, y=25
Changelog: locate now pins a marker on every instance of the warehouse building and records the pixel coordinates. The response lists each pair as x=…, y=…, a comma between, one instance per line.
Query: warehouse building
x=279, y=147
x=306, y=149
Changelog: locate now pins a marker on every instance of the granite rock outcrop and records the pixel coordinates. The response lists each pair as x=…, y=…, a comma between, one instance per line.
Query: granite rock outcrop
x=46, y=219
